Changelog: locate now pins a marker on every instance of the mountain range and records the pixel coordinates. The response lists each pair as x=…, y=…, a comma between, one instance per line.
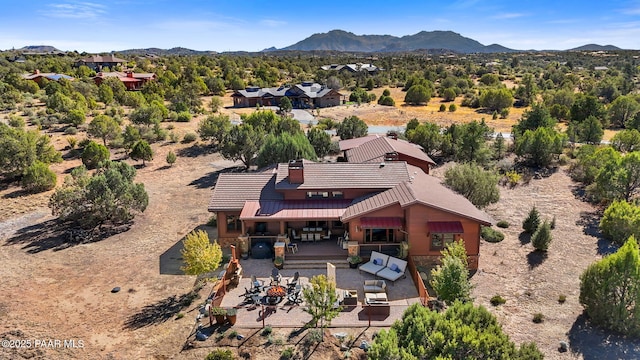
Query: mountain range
x=340, y=40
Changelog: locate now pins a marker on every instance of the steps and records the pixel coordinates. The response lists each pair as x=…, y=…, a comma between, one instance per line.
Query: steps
x=315, y=264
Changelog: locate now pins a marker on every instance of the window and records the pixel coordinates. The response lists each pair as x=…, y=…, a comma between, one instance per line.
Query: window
x=337, y=224
x=233, y=223
x=337, y=194
x=440, y=240
x=379, y=235
x=317, y=194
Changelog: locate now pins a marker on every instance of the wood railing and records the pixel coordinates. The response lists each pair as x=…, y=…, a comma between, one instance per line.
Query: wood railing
x=423, y=293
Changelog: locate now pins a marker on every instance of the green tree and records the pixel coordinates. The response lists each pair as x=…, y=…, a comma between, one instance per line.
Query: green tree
x=538, y=116
x=320, y=299
x=620, y=221
x=59, y=102
x=351, y=127
x=626, y=140
x=199, y=254
x=285, y=105
x=130, y=136
x=320, y=140
x=105, y=94
x=590, y=131
x=38, y=178
x=622, y=110
x=451, y=279
x=542, y=237
x=590, y=160
x=472, y=142
x=412, y=124
x=359, y=95
x=141, y=151
x=108, y=197
x=585, y=106
x=103, y=127
x=75, y=117
x=463, y=331
x=471, y=181
x=496, y=99
x=540, y=146
x=214, y=128
x=427, y=135
x=93, y=154
x=499, y=146
x=20, y=148
x=531, y=223
x=386, y=101
x=417, y=94
x=610, y=290
x=618, y=179
x=490, y=79
x=215, y=104
x=284, y=147
x=146, y=115
x=171, y=158
x=449, y=94
x=242, y=144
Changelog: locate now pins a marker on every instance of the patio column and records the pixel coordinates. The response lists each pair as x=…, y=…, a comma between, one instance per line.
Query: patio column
x=282, y=229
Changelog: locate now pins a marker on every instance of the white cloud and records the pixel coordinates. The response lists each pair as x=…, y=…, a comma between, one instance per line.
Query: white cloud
x=508, y=16
x=272, y=23
x=74, y=10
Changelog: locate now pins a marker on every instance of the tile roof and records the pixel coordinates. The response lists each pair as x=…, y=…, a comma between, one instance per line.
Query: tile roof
x=355, y=142
x=50, y=76
x=232, y=190
x=345, y=176
x=374, y=150
x=294, y=209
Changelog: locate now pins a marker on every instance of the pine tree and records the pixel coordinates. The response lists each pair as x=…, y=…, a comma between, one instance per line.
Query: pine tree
x=531, y=223
x=542, y=237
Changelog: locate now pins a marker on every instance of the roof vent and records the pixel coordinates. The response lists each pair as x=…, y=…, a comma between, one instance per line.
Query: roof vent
x=382, y=164
x=391, y=156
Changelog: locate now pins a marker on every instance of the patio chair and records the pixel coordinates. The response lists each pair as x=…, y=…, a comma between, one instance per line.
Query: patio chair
x=295, y=235
x=275, y=277
x=256, y=285
x=328, y=236
x=291, y=246
x=295, y=296
x=294, y=281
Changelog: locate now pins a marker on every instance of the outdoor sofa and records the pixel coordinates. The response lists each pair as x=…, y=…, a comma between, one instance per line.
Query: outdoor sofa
x=385, y=266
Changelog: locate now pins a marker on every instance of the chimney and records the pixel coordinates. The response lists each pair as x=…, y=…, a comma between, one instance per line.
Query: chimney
x=130, y=74
x=393, y=135
x=391, y=156
x=296, y=172
x=36, y=71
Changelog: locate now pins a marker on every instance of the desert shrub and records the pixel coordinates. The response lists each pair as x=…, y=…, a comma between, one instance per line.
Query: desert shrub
x=562, y=298
x=314, y=336
x=171, y=158
x=451, y=279
x=183, y=116
x=610, y=290
x=94, y=154
x=463, y=331
x=16, y=122
x=220, y=354
x=199, y=254
x=38, y=178
x=71, y=130
x=179, y=316
x=267, y=330
x=386, y=101
x=538, y=318
x=531, y=223
x=491, y=235
x=443, y=108
x=474, y=183
x=189, y=137
x=453, y=108
x=497, y=300
x=72, y=141
x=141, y=151
x=503, y=224
x=287, y=353
x=513, y=178
x=542, y=237
x=173, y=137
x=553, y=223
x=213, y=221
x=620, y=220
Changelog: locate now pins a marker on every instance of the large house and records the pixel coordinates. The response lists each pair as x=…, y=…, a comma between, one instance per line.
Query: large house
x=305, y=95
x=352, y=68
x=375, y=204
x=97, y=62
x=38, y=77
x=131, y=80
x=377, y=149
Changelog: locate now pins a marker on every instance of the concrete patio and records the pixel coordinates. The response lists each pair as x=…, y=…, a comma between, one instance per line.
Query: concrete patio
x=400, y=295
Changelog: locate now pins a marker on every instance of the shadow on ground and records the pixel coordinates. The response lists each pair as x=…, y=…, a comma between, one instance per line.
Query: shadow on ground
x=171, y=260
x=55, y=235
x=196, y=150
x=590, y=222
x=595, y=344
x=524, y=238
x=160, y=312
x=536, y=258
x=209, y=180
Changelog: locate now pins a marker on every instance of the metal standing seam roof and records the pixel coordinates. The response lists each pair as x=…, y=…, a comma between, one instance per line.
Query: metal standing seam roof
x=103, y=59
x=445, y=227
x=293, y=209
x=314, y=90
x=375, y=150
x=381, y=222
x=318, y=176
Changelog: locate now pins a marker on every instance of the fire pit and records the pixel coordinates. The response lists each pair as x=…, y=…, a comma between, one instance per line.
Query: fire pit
x=275, y=294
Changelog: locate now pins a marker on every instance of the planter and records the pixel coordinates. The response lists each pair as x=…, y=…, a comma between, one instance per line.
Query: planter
x=221, y=319
x=353, y=265
x=231, y=316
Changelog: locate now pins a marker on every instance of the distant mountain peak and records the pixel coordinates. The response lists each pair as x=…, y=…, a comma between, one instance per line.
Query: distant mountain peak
x=340, y=40
x=595, y=47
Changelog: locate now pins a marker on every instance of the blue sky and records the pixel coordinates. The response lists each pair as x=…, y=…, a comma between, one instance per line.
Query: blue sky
x=221, y=25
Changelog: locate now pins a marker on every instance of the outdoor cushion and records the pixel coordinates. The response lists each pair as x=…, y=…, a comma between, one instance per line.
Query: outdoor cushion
x=377, y=261
x=371, y=266
x=393, y=275
x=394, y=267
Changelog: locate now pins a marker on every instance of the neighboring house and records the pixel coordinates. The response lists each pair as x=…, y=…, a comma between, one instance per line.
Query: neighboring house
x=97, y=62
x=37, y=76
x=305, y=95
x=374, y=149
x=379, y=205
x=352, y=68
x=131, y=80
